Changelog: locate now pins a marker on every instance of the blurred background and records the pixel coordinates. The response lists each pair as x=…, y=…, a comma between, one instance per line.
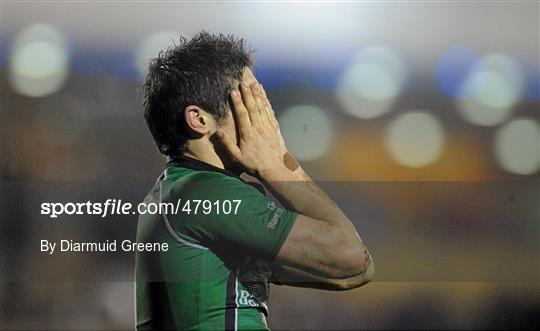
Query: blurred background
x=421, y=118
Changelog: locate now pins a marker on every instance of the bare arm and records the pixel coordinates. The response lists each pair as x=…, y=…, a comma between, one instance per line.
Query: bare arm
x=284, y=275
x=323, y=241
x=297, y=278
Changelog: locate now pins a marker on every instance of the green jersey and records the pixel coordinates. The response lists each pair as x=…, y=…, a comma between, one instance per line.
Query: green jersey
x=222, y=235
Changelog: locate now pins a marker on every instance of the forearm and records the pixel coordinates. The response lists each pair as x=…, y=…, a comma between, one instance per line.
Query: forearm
x=322, y=240
x=297, y=278
x=296, y=189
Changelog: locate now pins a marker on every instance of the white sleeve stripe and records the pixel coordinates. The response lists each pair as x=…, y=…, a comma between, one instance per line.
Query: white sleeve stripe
x=171, y=230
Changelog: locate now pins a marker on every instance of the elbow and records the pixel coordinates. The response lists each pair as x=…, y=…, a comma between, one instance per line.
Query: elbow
x=354, y=263
x=362, y=268
x=356, y=281
x=365, y=274
x=362, y=264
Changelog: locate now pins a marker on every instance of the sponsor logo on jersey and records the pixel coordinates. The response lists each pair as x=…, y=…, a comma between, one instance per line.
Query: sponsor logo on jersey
x=275, y=218
x=247, y=299
x=271, y=205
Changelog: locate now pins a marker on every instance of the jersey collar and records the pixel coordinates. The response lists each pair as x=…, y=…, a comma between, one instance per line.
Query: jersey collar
x=198, y=165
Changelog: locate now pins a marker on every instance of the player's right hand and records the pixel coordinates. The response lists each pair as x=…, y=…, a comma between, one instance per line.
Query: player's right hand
x=260, y=148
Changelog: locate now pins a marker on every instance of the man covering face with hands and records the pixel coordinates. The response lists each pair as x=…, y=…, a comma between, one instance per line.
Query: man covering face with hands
x=212, y=118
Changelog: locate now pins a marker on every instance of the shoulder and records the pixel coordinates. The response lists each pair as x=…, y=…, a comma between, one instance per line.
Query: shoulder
x=205, y=184
x=206, y=178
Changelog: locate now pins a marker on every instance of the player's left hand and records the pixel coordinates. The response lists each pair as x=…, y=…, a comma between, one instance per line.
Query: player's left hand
x=260, y=148
x=290, y=161
x=272, y=118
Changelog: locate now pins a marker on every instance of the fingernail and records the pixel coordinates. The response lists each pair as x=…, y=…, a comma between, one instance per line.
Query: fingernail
x=256, y=87
x=234, y=93
x=244, y=83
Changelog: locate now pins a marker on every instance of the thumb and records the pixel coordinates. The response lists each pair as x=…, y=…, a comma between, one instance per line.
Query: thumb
x=231, y=147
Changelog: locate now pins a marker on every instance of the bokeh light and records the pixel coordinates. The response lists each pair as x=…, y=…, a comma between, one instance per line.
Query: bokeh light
x=150, y=47
x=492, y=90
x=308, y=131
x=517, y=146
x=414, y=139
x=453, y=67
x=369, y=85
x=39, y=61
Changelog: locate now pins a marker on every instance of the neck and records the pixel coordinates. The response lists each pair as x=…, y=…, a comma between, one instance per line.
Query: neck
x=207, y=155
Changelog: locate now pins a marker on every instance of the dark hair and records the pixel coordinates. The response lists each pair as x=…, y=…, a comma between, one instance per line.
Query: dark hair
x=198, y=72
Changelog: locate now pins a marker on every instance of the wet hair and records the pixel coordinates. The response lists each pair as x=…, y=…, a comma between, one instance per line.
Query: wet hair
x=199, y=71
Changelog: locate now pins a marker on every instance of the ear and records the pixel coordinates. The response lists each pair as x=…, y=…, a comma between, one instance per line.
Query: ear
x=197, y=120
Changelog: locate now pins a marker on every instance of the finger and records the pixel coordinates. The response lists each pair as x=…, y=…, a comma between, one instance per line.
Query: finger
x=265, y=97
x=249, y=102
x=241, y=113
x=261, y=106
x=255, y=90
x=233, y=150
x=268, y=108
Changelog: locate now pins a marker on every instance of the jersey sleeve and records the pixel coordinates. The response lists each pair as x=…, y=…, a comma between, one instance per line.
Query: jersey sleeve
x=253, y=222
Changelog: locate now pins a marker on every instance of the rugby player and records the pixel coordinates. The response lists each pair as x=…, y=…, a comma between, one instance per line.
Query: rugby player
x=209, y=115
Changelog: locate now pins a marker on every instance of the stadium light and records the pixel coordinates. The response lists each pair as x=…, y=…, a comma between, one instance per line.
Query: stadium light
x=493, y=88
x=39, y=61
x=517, y=146
x=415, y=139
x=308, y=131
x=368, y=87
